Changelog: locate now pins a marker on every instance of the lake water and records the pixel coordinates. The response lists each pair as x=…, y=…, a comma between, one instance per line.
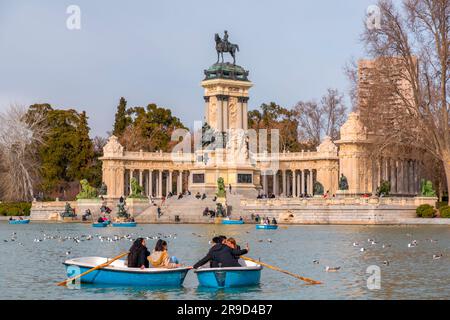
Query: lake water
x=29, y=269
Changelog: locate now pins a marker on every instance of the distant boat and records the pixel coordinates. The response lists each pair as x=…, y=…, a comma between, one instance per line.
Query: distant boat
x=100, y=224
x=119, y=274
x=25, y=221
x=266, y=227
x=124, y=224
x=229, y=221
x=249, y=275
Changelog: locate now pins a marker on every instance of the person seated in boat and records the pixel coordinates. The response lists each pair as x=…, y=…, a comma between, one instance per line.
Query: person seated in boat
x=206, y=212
x=221, y=255
x=138, y=254
x=274, y=221
x=160, y=257
x=198, y=195
x=231, y=242
x=204, y=196
x=100, y=220
x=11, y=219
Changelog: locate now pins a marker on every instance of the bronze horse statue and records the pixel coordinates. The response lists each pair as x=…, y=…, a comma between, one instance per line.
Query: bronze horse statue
x=222, y=47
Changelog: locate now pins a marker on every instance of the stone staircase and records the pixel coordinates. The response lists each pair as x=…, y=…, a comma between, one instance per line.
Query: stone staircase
x=189, y=209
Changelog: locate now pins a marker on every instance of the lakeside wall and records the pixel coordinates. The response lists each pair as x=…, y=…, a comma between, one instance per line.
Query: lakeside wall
x=312, y=211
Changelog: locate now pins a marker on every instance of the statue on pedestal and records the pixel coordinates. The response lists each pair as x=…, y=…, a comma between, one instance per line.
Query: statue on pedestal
x=225, y=46
x=343, y=183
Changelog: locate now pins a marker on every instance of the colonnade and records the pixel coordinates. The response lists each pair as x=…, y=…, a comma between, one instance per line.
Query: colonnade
x=289, y=183
x=403, y=174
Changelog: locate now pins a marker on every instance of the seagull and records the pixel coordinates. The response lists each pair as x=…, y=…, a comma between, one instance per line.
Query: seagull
x=316, y=261
x=386, y=263
x=437, y=256
x=355, y=244
x=269, y=240
x=374, y=243
x=386, y=246
x=332, y=269
x=412, y=245
x=67, y=253
x=362, y=250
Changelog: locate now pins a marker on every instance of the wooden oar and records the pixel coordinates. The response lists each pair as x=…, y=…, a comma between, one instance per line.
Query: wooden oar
x=63, y=283
x=310, y=281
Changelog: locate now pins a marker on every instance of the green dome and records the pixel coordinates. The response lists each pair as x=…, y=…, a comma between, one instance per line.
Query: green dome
x=226, y=71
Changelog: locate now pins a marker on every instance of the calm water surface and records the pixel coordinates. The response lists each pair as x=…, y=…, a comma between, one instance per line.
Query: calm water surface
x=29, y=269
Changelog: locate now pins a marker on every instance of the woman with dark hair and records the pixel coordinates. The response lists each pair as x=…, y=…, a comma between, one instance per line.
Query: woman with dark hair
x=137, y=258
x=160, y=257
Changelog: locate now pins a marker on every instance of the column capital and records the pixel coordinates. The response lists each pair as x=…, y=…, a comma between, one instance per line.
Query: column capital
x=222, y=97
x=243, y=99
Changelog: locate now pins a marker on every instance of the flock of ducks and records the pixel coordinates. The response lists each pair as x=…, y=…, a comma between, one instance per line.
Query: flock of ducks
x=412, y=244
x=130, y=238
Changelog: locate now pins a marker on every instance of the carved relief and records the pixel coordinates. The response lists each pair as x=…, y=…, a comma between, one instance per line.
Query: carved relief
x=113, y=148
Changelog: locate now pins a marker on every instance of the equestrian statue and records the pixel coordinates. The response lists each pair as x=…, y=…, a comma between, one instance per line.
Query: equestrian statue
x=224, y=46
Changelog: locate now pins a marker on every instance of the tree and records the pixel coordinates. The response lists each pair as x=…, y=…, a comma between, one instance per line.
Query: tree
x=150, y=130
x=412, y=51
x=21, y=135
x=122, y=118
x=274, y=116
x=319, y=120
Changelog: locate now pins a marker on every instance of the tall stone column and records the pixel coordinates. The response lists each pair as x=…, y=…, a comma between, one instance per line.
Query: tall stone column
x=288, y=184
x=265, y=183
x=219, y=114
x=141, y=178
x=406, y=176
x=284, y=193
x=160, y=183
x=119, y=187
x=225, y=105
x=150, y=183
x=302, y=182
x=207, y=110
x=190, y=180
x=393, y=176
x=294, y=183
x=275, y=184
x=180, y=182
x=311, y=183
x=239, y=111
x=401, y=179
x=245, y=113
x=131, y=177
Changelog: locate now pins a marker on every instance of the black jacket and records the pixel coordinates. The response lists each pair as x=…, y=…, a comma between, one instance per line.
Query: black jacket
x=221, y=255
x=139, y=258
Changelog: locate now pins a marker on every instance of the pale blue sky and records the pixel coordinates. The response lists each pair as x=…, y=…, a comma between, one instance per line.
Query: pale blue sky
x=156, y=51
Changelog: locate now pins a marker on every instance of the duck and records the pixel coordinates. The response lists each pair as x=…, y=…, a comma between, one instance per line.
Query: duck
x=332, y=269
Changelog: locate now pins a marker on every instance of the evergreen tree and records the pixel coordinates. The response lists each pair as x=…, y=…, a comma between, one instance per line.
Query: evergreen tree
x=122, y=118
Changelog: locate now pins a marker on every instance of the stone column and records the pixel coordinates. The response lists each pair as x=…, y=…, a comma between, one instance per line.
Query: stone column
x=150, y=183
x=311, y=183
x=299, y=182
x=207, y=110
x=225, y=105
x=275, y=184
x=219, y=114
x=245, y=114
x=401, y=179
x=190, y=179
x=406, y=177
x=393, y=179
x=284, y=183
x=239, y=110
x=294, y=183
x=160, y=183
x=302, y=181
x=265, y=183
x=131, y=177
x=141, y=180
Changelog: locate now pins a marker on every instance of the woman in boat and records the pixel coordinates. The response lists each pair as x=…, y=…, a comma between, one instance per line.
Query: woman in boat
x=231, y=242
x=137, y=257
x=221, y=255
x=160, y=257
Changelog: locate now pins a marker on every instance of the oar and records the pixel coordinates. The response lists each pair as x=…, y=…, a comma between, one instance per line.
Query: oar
x=310, y=281
x=63, y=283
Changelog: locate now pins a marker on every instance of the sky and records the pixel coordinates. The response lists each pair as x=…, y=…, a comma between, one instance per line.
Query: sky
x=156, y=51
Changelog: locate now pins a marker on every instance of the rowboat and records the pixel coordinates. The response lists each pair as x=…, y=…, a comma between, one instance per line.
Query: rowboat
x=248, y=275
x=124, y=224
x=25, y=221
x=229, y=221
x=118, y=273
x=266, y=227
x=100, y=224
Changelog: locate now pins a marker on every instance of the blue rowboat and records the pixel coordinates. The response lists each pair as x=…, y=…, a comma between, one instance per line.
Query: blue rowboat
x=100, y=224
x=119, y=274
x=26, y=221
x=249, y=275
x=266, y=227
x=124, y=224
x=228, y=221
